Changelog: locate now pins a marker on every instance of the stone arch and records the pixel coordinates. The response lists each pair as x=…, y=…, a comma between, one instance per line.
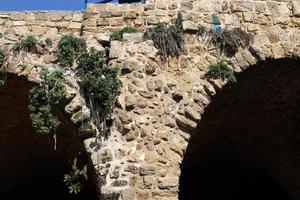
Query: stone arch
x=246, y=142
x=30, y=167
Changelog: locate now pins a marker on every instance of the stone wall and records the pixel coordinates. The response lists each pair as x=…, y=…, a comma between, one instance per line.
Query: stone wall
x=160, y=103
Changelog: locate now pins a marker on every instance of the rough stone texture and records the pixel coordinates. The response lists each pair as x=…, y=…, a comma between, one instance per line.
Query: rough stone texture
x=160, y=103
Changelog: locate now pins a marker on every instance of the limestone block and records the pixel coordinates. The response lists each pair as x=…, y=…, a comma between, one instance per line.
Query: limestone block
x=203, y=6
x=189, y=26
x=168, y=182
x=133, y=37
x=77, y=17
x=130, y=14
x=147, y=170
x=104, y=14
x=185, y=123
x=242, y=6
x=278, y=51
x=81, y=116
x=103, y=38
x=19, y=23
x=116, y=21
x=160, y=13
x=18, y=16
x=128, y=194
x=192, y=114
x=75, y=105
x=75, y=25
x=260, y=7
x=248, y=57
x=55, y=18
x=296, y=8
x=116, y=13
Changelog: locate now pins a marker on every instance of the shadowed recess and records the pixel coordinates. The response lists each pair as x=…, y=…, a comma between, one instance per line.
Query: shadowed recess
x=247, y=145
x=30, y=168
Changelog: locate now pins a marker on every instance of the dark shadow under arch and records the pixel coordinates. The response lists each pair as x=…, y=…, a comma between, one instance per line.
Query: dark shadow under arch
x=247, y=145
x=30, y=168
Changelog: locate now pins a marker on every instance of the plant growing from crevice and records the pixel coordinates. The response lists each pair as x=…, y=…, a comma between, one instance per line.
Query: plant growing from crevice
x=100, y=85
x=228, y=41
x=48, y=42
x=104, y=132
x=119, y=34
x=69, y=48
x=169, y=40
x=28, y=44
x=42, y=99
x=221, y=70
x=201, y=31
x=3, y=68
x=76, y=178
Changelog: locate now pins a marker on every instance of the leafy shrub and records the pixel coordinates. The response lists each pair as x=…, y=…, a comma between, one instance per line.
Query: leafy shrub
x=42, y=98
x=98, y=81
x=228, y=41
x=221, y=70
x=119, y=34
x=168, y=39
x=48, y=42
x=3, y=74
x=69, y=48
x=75, y=179
x=29, y=44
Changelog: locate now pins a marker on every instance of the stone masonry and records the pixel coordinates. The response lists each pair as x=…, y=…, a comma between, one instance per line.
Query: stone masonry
x=160, y=103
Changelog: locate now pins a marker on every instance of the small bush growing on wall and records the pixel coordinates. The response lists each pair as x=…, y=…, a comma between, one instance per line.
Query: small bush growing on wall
x=75, y=178
x=119, y=34
x=69, y=48
x=43, y=98
x=29, y=44
x=98, y=81
x=221, y=70
x=168, y=39
x=228, y=41
x=48, y=42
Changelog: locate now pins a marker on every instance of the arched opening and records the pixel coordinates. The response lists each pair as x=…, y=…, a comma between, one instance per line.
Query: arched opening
x=247, y=145
x=30, y=168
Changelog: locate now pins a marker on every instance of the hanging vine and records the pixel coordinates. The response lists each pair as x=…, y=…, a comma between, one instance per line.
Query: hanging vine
x=42, y=99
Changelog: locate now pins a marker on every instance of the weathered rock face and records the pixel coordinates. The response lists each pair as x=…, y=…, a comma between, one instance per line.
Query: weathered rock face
x=160, y=104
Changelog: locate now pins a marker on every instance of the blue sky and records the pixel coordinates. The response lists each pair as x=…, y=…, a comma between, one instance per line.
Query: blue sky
x=13, y=5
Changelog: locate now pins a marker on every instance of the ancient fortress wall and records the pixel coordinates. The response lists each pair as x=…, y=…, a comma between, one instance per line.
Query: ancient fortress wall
x=160, y=103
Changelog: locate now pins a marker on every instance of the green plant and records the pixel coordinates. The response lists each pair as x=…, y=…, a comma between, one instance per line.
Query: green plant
x=48, y=42
x=3, y=68
x=69, y=48
x=168, y=39
x=104, y=132
x=17, y=47
x=228, y=41
x=50, y=92
x=29, y=44
x=76, y=178
x=201, y=31
x=23, y=66
x=1, y=35
x=98, y=82
x=221, y=70
x=119, y=34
